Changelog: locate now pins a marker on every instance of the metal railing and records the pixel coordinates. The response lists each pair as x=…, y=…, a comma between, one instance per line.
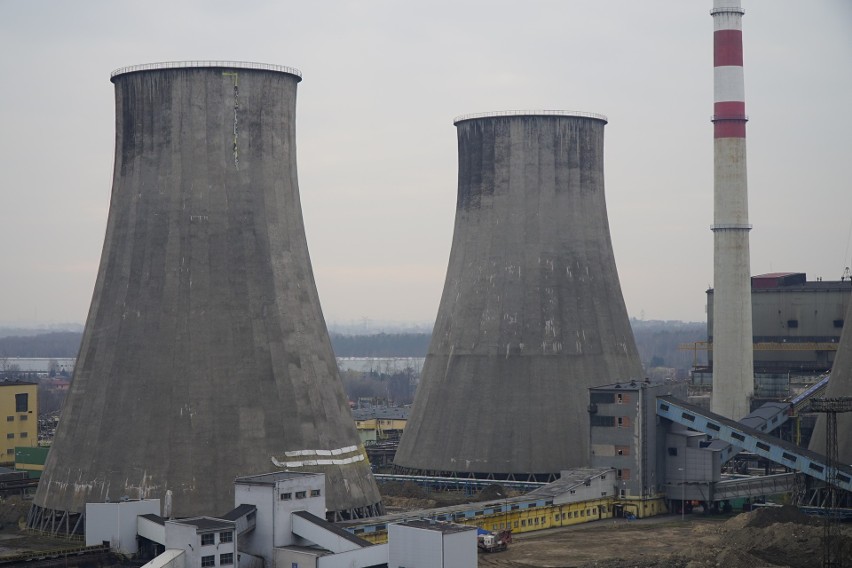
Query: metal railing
x=195, y=64
x=727, y=10
x=507, y=113
x=731, y=227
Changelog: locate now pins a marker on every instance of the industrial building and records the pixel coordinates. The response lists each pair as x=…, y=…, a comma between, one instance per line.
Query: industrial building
x=205, y=355
x=532, y=313
x=797, y=323
x=18, y=417
x=377, y=424
x=277, y=521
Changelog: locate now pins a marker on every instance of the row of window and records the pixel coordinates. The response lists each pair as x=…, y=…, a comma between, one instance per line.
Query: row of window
x=11, y=435
x=610, y=421
x=536, y=521
x=210, y=538
x=21, y=417
x=609, y=398
x=299, y=495
x=224, y=560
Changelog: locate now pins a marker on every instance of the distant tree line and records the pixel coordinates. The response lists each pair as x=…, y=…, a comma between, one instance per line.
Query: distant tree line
x=54, y=344
x=381, y=345
x=658, y=343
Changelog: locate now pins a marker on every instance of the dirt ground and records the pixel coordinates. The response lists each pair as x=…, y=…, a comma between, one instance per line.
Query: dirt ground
x=762, y=538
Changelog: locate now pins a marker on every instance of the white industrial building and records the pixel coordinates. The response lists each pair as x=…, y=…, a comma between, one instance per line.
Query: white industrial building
x=278, y=522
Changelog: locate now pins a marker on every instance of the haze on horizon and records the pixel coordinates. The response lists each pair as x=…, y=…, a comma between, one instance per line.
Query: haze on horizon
x=377, y=148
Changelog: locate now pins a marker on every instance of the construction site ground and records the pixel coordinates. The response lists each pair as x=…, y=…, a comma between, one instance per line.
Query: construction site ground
x=767, y=537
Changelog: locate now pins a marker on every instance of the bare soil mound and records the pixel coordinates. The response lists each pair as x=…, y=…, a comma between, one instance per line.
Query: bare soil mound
x=766, y=516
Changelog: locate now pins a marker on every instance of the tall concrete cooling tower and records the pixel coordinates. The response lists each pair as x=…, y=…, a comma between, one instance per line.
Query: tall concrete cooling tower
x=532, y=313
x=840, y=385
x=205, y=354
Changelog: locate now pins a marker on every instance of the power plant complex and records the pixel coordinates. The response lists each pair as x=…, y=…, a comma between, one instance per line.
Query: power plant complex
x=532, y=313
x=206, y=362
x=205, y=354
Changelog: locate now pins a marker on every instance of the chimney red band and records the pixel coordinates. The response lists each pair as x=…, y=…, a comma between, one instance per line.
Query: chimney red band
x=729, y=128
x=727, y=48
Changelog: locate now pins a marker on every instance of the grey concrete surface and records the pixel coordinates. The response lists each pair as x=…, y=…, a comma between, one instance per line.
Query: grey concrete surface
x=532, y=313
x=840, y=385
x=205, y=354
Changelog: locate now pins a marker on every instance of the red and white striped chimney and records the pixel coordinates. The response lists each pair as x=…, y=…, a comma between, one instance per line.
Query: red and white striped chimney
x=733, y=358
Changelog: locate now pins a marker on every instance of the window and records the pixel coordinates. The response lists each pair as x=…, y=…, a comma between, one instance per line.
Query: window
x=619, y=398
x=315, y=492
x=623, y=421
x=10, y=419
x=208, y=561
x=207, y=539
x=601, y=398
x=623, y=473
x=286, y=496
x=300, y=494
x=10, y=451
x=226, y=536
x=23, y=435
x=226, y=559
x=792, y=323
x=23, y=417
x=606, y=421
x=10, y=435
x=672, y=452
x=622, y=450
x=22, y=402
x=523, y=522
x=583, y=513
x=838, y=323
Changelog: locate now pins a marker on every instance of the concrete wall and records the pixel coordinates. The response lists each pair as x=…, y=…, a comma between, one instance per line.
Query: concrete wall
x=840, y=385
x=169, y=559
x=205, y=355
x=410, y=547
x=289, y=558
x=532, y=312
x=116, y=523
x=460, y=549
x=369, y=556
x=186, y=538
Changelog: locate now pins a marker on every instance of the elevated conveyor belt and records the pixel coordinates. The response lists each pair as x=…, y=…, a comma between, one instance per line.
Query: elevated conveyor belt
x=765, y=419
x=801, y=401
x=755, y=441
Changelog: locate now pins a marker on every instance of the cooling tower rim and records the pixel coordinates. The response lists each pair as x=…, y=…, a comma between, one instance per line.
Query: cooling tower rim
x=206, y=64
x=513, y=113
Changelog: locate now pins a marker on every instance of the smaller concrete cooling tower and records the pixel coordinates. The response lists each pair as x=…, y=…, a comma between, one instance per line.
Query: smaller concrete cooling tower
x=840, y=385
x=532, y=313
x=205, y=354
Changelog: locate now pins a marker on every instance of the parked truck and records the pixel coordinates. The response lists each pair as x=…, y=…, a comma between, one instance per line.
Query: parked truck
x=487, y=541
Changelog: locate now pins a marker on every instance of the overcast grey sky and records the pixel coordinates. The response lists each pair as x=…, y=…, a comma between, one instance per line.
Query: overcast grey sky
x=377, y=149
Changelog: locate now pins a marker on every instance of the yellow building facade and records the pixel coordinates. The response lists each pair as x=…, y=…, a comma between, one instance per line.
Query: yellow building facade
x=18, y=417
